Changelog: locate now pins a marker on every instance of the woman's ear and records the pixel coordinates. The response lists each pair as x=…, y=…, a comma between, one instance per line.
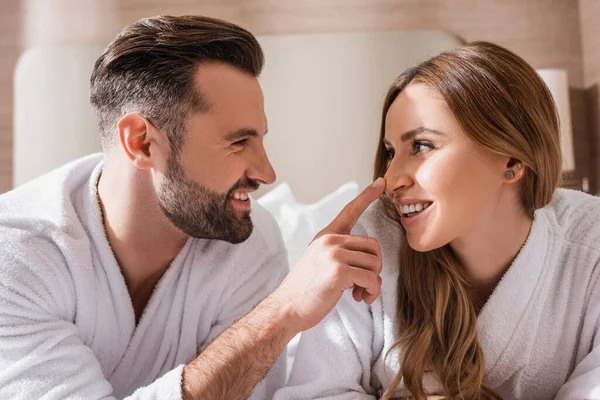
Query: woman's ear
x=140, y=140
x=514, y=170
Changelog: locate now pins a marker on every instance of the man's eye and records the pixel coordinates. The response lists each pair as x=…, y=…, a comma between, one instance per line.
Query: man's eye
x=240, y=142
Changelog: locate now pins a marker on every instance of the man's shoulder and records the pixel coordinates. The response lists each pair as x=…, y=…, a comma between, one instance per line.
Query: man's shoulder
x=22, y=247
x=49, y=195
x=32, y=264
x=51, y=208
x=41, y=232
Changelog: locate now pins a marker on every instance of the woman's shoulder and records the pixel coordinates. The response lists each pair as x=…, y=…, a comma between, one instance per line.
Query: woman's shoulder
x=577, y=215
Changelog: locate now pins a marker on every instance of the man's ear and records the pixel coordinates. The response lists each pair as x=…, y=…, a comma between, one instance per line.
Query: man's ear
x=141, y=141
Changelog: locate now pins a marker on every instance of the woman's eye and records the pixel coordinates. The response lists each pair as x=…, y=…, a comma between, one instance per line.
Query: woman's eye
x=390, y=154
x=420, y=145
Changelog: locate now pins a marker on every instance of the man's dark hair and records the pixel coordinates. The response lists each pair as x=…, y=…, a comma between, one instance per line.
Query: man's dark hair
x=149, y=68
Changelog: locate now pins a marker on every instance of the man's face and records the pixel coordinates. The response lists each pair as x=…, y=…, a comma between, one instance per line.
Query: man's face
x=204, y=190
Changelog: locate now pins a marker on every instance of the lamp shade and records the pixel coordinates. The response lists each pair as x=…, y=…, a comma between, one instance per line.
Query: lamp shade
x=558, y=83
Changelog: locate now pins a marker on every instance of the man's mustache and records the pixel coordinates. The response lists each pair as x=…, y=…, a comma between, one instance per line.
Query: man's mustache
x=244, y=184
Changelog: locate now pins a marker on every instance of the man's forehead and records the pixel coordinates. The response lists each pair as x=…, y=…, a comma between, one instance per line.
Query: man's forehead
x=229, y=126
x=234, y=98
x=219, y=80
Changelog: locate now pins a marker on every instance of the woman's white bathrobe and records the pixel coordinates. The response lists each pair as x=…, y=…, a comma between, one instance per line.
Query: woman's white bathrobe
x=67, y=325
x=540, y=329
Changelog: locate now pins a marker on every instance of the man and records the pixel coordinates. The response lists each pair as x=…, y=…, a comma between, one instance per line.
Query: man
x=123, y=274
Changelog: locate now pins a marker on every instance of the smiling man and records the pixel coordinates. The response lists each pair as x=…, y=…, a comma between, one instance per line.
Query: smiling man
x=124, y=273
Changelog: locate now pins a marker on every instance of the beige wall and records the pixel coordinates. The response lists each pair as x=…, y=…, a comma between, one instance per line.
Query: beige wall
x=590, y=38
x=545, y=32
x=10, y=48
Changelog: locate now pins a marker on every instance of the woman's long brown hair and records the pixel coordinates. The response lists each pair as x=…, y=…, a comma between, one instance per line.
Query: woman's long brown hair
x=502, y=105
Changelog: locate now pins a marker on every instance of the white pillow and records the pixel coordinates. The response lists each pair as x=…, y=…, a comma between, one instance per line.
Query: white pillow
x=299, y=223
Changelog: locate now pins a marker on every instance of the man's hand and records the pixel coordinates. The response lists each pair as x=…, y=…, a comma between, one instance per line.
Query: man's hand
x=239, y=358
x=334, y=262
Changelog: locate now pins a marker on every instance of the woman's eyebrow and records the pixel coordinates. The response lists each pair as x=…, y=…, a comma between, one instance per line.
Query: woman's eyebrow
x=406, y=136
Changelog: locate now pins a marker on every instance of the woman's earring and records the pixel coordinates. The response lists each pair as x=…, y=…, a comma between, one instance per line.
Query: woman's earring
x=509, y=174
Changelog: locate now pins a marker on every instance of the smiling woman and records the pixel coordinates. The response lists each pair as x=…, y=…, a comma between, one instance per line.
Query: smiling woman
x=458, y=159
x=491, y=278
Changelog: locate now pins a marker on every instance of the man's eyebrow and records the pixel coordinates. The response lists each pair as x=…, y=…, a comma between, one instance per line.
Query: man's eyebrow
x=239, y=134
x=406, y=136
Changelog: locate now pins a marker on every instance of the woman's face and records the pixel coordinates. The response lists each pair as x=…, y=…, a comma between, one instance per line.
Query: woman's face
x=443, y=185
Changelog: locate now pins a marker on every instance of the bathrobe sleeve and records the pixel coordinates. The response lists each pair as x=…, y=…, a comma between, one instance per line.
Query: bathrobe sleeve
x=255, y=276
x=333, y=359
x=584, y=382
x=41, y=353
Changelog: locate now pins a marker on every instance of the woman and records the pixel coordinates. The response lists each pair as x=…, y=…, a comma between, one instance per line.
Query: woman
x=491, y=275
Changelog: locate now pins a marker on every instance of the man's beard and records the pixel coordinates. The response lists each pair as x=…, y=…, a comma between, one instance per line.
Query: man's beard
x=200, y=212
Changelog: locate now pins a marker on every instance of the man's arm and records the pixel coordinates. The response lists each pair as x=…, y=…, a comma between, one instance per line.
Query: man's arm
x=239, y=358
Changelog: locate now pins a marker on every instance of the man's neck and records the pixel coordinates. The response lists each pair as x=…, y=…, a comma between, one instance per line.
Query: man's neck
x=142, y=239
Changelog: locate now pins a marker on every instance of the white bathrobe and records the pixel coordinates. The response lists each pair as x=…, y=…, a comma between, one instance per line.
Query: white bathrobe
x=539, y=330
x=67, y=324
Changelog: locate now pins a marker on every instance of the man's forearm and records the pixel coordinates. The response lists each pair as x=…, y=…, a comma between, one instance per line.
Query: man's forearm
x=234, y=363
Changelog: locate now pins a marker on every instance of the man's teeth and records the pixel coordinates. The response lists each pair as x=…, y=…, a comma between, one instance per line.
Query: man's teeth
x=414, y=208
x=240, y=196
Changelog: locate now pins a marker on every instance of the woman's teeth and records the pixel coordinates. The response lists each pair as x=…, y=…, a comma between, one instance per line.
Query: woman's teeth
x=240, y=196
x=409, y=210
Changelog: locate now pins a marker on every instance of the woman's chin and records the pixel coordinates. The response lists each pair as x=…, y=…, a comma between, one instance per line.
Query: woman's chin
x=421, y=244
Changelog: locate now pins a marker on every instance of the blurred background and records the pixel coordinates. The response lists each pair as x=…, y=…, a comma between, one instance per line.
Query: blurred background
x=559, y=35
